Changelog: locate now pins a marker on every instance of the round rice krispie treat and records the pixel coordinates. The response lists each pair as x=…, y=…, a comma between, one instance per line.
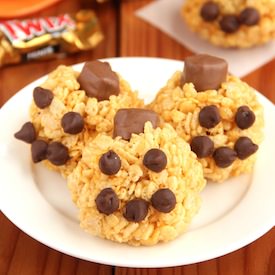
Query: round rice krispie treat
x=140, y=187
x=234, y=23
x=217, y=113
x=71, y=107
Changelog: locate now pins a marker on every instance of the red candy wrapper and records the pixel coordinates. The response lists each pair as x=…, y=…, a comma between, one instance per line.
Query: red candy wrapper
x=48, y=37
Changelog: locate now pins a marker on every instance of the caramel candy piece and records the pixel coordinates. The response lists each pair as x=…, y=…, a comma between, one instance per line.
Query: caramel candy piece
x=206, y=72
x=98, y=80
x=131, y=121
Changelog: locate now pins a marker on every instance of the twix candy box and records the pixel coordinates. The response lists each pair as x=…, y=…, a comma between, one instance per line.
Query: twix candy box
x=48, y=37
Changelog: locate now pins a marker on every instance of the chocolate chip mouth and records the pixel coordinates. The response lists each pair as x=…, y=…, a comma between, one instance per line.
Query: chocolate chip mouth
x=229, y=23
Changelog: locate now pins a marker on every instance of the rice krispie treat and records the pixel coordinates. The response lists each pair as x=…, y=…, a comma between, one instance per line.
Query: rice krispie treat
x=140, y=187
x=234, y=23
x=71, y=107
x=217, y=113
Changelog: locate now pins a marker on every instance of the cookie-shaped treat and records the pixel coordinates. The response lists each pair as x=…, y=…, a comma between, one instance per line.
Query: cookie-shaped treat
x=71, y=107
x=234, y=23
x=140, y=186
x=217, y=113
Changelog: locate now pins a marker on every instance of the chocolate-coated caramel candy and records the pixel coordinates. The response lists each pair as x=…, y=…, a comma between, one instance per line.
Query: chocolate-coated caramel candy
x=224, y=156
x=155, y=160
x=109, y=163
x=136, y=210
x=57, y=153
x=244, y=117
x=72, y=123
x=26, y=133
x=107, y=201
x=206, y=72
x=210, y=11
x=98, y=80
x=164, y=200
x=42, y=97
x=39, y=150
x=209, y=116
x=229, y=24
x=249, y=16
x=202, y=146
x=245, y=147
x=131, y=121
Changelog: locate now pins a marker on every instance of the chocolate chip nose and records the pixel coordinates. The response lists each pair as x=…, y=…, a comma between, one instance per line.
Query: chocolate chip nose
x=204, y=71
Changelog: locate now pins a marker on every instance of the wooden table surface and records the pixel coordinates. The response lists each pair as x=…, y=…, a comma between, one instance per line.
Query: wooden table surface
x=125, y=35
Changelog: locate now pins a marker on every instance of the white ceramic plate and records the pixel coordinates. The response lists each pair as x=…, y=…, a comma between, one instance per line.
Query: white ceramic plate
x=36, y=200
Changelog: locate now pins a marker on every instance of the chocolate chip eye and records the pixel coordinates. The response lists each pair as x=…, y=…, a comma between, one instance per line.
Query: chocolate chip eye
x=155, y=160
x=42, y=97
x=245, y=147
x=72, y=123
x=136, y=210
x=57, y=153
x=210, y=11
x=109, y=163
x=229, y=24
x=224, y=156
x=249, y=16
x=209, y=116
x=26, y=133
x=244, y=117
x=202, y=146
x=39, y=150
x=107, y=201
x=164, y=200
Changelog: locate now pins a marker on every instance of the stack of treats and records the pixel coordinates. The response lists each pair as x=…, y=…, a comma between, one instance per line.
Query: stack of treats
x=136, y=172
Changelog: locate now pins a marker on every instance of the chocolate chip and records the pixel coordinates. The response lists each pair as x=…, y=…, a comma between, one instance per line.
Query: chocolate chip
x=245, y=147
x=202, y=146
x=136, y=210
x=98, y=80
x=210, y=11
x=224, y=156
x=164, y=200
x=229, y=23
x=244, y=117
x=131, y=121
x=107, y=201
x=206, y=72
x=72, y=123
x=26, y=133
x=42, y=97
x=249, y=16
x=39, y=150
x=155, y=160
x=57, y=153
x=109, y=163
x=209, y=116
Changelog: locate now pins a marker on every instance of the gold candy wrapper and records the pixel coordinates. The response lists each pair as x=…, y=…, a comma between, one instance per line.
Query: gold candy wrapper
x=48, y=37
